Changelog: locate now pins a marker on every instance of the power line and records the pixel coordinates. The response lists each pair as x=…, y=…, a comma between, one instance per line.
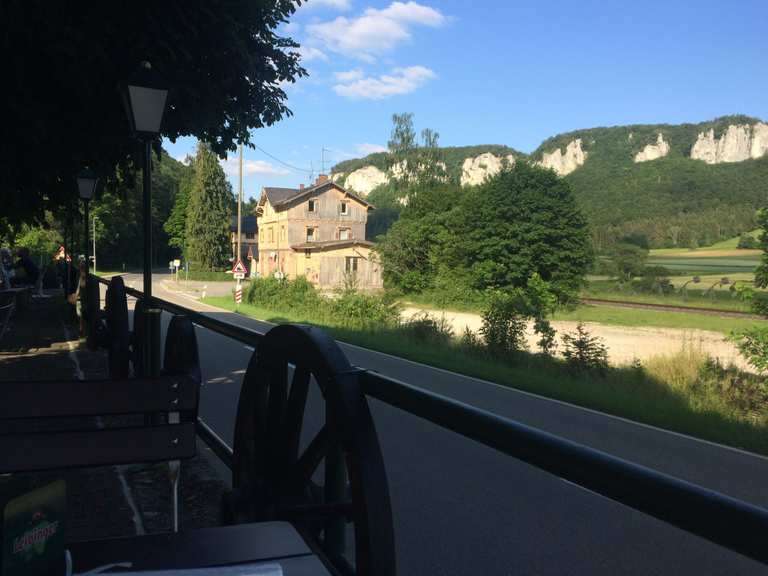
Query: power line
x=276, y=159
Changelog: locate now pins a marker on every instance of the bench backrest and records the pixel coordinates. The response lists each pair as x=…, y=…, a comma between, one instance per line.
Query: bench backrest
x=60, y=424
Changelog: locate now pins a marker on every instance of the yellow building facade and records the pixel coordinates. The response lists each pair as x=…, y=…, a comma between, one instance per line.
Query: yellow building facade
x=317, y=232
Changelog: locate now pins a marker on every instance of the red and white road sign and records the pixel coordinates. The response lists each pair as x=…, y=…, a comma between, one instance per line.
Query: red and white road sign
x=238, y=294
x=239, y=270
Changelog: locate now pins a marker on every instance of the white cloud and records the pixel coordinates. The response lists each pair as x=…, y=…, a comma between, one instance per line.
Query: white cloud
x=232, y=167
x=334, y=4
x=400, y=81
x=309, y=53
x=376, y=31
x=349, y=75
x=366, y=148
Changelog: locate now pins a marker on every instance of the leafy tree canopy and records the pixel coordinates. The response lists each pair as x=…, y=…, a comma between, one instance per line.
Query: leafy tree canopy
x=222, y=60
x=522, y=222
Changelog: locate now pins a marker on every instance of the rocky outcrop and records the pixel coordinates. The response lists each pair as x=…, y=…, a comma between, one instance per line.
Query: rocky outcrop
x=475, y=171
x=738, y=143
x=653, y=151
x=363, y=180
x=564, y=164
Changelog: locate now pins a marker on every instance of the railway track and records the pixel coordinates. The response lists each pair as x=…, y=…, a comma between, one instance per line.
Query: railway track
x=670, y=308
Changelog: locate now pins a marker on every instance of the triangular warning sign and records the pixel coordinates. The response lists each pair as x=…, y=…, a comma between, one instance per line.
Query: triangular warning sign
x=239, y=267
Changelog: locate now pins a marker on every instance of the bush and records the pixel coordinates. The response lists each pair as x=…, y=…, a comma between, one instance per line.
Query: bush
x=358, y=310
x=654, y=279
x=747, y=242
x=428, y=328
x=503, y=326
x=275, y=294
x=585, y=352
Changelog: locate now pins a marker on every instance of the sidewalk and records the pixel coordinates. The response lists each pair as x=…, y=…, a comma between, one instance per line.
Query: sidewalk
x=110, y=501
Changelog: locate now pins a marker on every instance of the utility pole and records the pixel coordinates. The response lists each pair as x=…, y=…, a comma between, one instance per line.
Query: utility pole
x=94, y=244
x=323, y=151
x=239, y=202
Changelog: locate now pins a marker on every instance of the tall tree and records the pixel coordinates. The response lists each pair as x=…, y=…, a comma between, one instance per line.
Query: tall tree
x=208, y=212
x=522, y=221
x=176, y=224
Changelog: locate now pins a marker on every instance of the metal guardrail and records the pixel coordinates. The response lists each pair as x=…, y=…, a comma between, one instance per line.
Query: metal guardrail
x=721, y=519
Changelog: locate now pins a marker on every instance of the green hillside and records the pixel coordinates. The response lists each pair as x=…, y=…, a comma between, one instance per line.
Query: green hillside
x=706, y=202
x=674, y=201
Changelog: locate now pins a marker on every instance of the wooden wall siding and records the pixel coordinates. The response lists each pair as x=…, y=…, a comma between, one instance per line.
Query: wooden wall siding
x=326, y=219
x=332, y=270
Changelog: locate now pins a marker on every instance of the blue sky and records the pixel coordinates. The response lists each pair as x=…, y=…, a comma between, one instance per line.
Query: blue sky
x=504, y=72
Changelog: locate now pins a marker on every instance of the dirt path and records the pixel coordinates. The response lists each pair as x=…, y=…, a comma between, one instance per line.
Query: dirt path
x=625, y=344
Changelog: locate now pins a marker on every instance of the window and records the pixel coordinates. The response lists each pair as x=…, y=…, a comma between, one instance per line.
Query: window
x=271, y=234
x=282, y=232
x=310, y=234
x=344, y=208
x=250, y=235
x=350, y=264
x=311, y=206
x=307, y=254
x=343, y=233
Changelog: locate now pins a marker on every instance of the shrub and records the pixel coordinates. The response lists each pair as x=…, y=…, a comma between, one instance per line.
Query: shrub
x=546, y=333
x=470, y=342
x=753, y=345
x=428, y=328
x=357, y=310
x=503, y=326
x=583, y=351
x=747, y=242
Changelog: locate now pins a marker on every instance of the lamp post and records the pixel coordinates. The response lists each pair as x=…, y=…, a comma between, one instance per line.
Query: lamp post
x=144, y=100
x=86, y=186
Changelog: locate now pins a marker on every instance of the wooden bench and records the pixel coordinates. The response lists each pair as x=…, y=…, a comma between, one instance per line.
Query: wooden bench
x=51, y=425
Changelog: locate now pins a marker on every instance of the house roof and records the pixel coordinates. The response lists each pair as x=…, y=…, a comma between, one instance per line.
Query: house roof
x=280, y=197
x=248, y=224
x=332, y=244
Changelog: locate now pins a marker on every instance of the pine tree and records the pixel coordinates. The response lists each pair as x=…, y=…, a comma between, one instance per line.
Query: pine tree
x=208, y=212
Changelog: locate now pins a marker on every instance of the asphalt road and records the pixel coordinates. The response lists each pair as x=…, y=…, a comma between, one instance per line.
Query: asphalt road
x=461, y=508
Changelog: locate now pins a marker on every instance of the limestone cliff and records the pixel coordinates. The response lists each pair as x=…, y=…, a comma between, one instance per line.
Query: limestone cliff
x=564, y=164
x=653, y=151
x=363, y=180
x=475, y=171
x=738, y=143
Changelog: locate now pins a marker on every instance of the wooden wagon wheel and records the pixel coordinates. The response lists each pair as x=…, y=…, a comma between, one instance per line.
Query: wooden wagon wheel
x=181, y=355
x=137, y=339
x=273, y=481
x=96, y=336
x=117, y=327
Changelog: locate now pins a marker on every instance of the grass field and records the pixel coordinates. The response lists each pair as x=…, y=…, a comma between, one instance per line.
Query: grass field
x=658, y=318
x=674, y=393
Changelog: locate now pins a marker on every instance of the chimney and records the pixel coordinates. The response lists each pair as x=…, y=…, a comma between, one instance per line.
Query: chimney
x=321, y=179
x=301, y=186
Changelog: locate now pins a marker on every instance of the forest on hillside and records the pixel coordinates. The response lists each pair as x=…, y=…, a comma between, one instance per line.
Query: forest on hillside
x=673, y=201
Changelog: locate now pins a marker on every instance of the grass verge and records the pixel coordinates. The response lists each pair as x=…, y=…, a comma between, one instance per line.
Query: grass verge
x=639, y=317
x=684, y=393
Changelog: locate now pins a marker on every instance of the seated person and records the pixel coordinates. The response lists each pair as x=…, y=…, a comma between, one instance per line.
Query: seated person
x=30, y=269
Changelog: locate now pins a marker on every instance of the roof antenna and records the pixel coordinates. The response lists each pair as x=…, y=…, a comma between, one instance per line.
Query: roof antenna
x=323, y=151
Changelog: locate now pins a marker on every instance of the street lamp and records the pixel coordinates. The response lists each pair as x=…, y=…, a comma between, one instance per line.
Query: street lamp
x=144, y=99
x=86, y=186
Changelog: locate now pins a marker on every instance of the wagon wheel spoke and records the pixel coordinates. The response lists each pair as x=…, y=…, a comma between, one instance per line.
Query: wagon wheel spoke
x=294, y=414
x=309, y=461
